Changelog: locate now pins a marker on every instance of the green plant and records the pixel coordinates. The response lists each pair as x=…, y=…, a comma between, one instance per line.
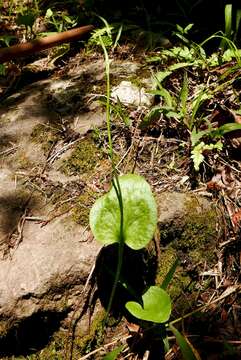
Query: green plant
x=194, y=54
x=2, y=70
x=199, y=147
x=59, y=20
x=6, y=39
x=104, y=36
x=174, y=106
x=186, y=108
x=108, y=222
x=114, y=353
x=120, y=112
x=181, y=32
x=140, y=214
x=231, y=19
x=27, y=18
x=127, y=215
x=156, y=308
x=228, y=25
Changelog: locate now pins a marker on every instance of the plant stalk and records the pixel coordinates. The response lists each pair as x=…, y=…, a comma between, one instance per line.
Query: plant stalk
x=120, y=244
x=108, y=122
x=115, y=183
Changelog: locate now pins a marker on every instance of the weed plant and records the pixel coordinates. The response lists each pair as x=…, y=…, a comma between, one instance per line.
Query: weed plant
x=185, y=107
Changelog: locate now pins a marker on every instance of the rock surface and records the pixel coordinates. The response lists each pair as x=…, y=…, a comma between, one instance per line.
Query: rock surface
x=48, y=268
x=188, y=223
x=190, y=227
x=46, y=254
x=46, y=250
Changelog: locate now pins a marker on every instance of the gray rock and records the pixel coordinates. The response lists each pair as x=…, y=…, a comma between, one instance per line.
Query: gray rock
x=46, y=271
x=188, y=224
x=189, y=227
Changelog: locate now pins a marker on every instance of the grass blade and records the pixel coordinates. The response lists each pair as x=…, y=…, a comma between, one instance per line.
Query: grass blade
x=184, y=94
x=187, y=350
x=228, y=25
x=118, y=37
x=226, y=128
x=170, y=274
x=238, y=19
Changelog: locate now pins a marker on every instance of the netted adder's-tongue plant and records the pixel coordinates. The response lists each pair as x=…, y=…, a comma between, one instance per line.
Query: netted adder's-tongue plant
x=127, y=215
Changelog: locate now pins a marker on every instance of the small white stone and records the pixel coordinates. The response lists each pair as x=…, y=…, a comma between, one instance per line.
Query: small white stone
x=129, y=94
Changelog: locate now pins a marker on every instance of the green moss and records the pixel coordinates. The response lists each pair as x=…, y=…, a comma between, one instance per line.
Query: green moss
x=195, y=234
x=139, y=79
x=179, y=281
x=192, y=238
x=83, y=159
x=94, y=338
x=45, y=136
x=80, y=213
x=199, y=233
x=167, y=258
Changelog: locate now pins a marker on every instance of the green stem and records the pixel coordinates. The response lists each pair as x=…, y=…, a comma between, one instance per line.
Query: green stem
x=108, y=123
x=120, y=244
x=115, y=183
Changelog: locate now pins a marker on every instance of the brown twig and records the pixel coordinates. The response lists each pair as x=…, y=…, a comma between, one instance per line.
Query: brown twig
x=20, y=50
x=45, y=222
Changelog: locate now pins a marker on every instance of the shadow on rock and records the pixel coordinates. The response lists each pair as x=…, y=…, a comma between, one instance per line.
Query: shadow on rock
x=138, y=273
x=12, y=206
x=31, y=335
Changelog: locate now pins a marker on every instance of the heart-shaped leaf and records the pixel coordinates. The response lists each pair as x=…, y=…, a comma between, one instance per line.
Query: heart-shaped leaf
x=156, y=306
x=140, y=214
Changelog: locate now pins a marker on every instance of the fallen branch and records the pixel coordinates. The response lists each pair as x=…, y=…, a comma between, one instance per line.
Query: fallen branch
x=16, y=51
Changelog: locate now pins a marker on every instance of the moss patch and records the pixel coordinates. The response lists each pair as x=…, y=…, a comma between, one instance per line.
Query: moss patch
x=45, y=136
x=80, y=213
x=192, y=239
x=94, y=338
x=53, y=351
x=199, y=233
x=84, y=158
x=194, y=234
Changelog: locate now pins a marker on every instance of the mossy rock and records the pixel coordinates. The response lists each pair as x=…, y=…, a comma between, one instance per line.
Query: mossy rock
x=83, y=159
x=85, y=201
x=88, y=342
x=187, y=226
x=46, y=136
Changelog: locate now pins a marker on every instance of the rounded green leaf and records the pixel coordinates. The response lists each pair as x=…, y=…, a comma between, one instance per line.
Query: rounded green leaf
x=140, y=214
x=156, y=306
